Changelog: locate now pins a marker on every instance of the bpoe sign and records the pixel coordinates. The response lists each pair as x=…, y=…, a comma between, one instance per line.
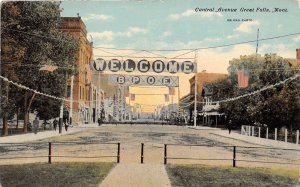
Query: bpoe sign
x=143, y=66
x=171, y=81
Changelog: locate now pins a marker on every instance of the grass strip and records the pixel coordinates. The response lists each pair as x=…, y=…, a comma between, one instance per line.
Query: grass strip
x=56, y=174
x=200, y=175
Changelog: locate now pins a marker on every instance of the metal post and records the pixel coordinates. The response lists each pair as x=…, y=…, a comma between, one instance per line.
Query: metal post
x=130, y=117
x=234, y=156
x=165, y=157
x=297, y=137
x=118, y=154
x=195, y=104
x=253, y=130
x=142, y=153
x=275, y=133
x=179, y=108
x=259, y=132
x=267, y=133
x=285, y=135
x=50, y=153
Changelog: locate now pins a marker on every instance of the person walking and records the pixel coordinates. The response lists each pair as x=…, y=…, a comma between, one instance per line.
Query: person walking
x=99, y=121
x=66, y=123
x=66, y=126
x=55, y=123
x=35, y=125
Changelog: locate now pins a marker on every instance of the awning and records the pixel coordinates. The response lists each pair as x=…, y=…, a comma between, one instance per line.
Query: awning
x=210, y=114
x=48, y=68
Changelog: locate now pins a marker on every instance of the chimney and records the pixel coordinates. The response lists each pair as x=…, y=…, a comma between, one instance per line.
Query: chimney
x=298, y=54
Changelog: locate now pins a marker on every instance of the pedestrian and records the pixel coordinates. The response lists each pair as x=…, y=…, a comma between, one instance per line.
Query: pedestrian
x=55, y=123
x=35, y=125
x=229, y=126
x=66, y=125
x=99, y=121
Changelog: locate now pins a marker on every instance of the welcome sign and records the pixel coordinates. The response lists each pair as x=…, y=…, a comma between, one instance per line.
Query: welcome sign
x=157, y=66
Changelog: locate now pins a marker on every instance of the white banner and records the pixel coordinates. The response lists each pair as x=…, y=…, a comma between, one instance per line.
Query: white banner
x=143, y=66
x=171, y=81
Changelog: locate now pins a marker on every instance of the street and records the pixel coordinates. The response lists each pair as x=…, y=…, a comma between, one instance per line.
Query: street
x=91, y=145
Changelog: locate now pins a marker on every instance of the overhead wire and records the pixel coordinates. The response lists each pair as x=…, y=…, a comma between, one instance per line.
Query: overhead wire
x=183, y=49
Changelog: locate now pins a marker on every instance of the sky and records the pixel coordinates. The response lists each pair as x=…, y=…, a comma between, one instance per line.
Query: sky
x=141, y=28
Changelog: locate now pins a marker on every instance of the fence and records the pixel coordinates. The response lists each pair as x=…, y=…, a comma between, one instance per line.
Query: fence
x=275, y=134
x=240, y=154
x=62, y=151
x=232, y=155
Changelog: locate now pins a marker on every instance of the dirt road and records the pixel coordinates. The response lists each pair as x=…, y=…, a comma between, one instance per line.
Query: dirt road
x=90, y=148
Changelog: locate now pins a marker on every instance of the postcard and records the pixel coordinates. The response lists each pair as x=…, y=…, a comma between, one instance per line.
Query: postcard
x=150, y=93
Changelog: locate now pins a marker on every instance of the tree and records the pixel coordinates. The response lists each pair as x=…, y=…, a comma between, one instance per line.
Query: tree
x=11, y=54
x=36, y=31
x=274, y=107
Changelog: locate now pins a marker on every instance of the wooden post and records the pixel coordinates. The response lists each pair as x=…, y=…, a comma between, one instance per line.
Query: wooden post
x=285, y=135
x=242, y=128
x=297, y=137
x=165, y=156
x=142, y=153
x=249, y=130
x=267, y=133
x=252, y=130
x=234, y=156
x=275, y=133
x=50, y=153
x=259, y=132
x=118, y=154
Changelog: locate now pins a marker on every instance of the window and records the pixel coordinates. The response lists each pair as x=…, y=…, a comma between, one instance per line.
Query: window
x=68, y=91
x=79, y=92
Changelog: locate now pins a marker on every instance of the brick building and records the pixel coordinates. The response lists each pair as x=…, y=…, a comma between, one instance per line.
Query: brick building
x=202, y=79
x=86, y=95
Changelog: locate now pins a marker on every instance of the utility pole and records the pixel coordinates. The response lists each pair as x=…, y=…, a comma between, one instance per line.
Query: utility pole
x=196, y=86
x=71, y=99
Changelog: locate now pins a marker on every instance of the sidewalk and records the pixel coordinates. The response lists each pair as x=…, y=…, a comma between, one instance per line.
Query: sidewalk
x=137, y=175
x=21, y=138
x=256, y=140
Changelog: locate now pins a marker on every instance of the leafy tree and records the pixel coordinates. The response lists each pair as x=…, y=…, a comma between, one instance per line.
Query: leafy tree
x=274, y=107
x=36, y=31
x=11, y=54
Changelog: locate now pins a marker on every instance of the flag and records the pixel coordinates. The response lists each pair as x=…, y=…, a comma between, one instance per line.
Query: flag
x=132, y=97
x=243, y=78
x=166, y=98
x=171, y=91
x=126, y=91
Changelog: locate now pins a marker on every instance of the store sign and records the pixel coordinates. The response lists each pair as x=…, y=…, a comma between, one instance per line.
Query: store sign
x=171, y=81
x=143, y=66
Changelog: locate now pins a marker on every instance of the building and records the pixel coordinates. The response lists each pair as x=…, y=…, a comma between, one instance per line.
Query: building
x=109, y=92
x=84, y=94
x=202, y=79
x=209, y=114
x=184, y=107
